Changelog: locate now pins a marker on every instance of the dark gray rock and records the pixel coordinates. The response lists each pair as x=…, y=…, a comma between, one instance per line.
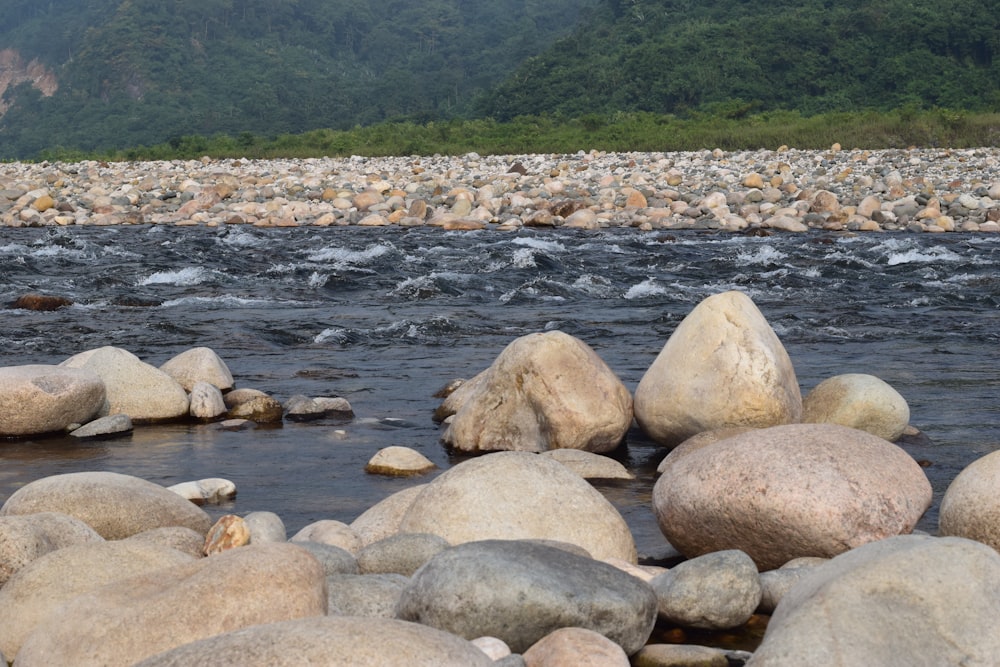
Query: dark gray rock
x=520, y=591
x=333, y=559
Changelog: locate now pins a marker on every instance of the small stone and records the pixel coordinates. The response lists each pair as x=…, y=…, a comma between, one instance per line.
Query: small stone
x=578, y=647
x=206, y=401
x=328, y=531
x=229, y=532
x=265, y=527
x=112, y=426
x=716, y=591
x=398, y=461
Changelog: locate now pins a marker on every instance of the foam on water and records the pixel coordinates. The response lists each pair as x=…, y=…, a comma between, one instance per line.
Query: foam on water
x=190, y=275
x=763, y=255
x=539, y=244
x=645, y=289
x=222, y=301
x=346, y=257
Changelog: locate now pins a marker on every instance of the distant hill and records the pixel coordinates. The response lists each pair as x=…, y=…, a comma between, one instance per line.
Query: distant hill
x=736, y=56
x=111, y=73
x=101, y=74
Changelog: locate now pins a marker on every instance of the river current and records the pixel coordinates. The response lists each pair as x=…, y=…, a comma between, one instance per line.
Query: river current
x=384, y=317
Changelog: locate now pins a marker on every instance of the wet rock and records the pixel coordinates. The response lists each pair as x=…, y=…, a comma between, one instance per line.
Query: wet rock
x=253, y=405
x=723, y=366
x=544, y=391
x=399, y=462
x=859, y=401
x=41, y=302
x=38, y=399
x=790, y=491
x=516, y=496
x=114, y=505
x=520, y=591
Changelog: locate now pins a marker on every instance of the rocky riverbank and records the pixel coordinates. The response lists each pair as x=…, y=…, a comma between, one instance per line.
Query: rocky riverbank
x=916, y=190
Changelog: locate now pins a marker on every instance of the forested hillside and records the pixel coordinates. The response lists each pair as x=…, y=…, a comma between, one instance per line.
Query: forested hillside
x=101, y=74
x=142, y=71
x=735, y=56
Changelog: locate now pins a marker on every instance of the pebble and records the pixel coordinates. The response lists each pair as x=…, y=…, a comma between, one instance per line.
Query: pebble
x=857, y=190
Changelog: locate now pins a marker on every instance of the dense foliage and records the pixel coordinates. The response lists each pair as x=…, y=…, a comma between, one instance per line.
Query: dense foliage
x=736, y=56
x=158, y=72
x=140, y=71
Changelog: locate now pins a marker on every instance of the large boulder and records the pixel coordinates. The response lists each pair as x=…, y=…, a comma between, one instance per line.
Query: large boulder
x=520, y=591
x=908, y=600
x=790, y=491
x=25, y=538
x=50, y=581
x=518, y=495
x=382, y=519
x=544, y=391
x=199, y=364
x=114, y=505
x=134, y=388
x=43, y=399
x=333, y=641
x=723, y=366
x=135, y=618
x=971, y=505
x=860, y=401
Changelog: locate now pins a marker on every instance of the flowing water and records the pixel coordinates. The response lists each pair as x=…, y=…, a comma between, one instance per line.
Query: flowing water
x=385, y=317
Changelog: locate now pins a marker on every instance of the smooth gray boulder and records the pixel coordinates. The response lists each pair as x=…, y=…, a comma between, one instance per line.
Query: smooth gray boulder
x=130, y=620
x=265, y=527
x=716, y=591
x=907, y=601
x=789, y=491
x=519, y=495
x=544, y=391
x=370, y=595
x=114, y=505
x=519, y=591
x=400, y=554
x=332, y=559
x=723, y=366
x=331, y=641
x=37, y=399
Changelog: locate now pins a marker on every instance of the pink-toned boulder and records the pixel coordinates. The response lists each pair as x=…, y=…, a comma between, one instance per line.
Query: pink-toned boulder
x=517, y=496
x=143, y=392
x=544, y=391
x=971, y=505
x=723, y=366
x=48, y=582
x=114, y=505
x=135, y=618
x=789, y=491
x=44, y=399
x=860, y=401
x=575, y=647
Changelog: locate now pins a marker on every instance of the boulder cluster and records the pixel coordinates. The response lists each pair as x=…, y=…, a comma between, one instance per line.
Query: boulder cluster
x=800, y=510
x=786, y=190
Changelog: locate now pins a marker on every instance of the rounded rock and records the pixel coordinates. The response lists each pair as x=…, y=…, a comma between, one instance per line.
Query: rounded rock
x=716, y=591
x=860, y=401
x=398, y=461
x=971, y=505
x=39, y=399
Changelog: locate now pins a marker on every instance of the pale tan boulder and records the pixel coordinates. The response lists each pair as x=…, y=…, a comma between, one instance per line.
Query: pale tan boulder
x=332, y=641
x=396, y=461
x=43, y=399
x=971, y=505
x=723, y=366
x=696, y=442
x=519, y=495
x=206, y=401
x=330, y=532
x=544, y=391
x=790, y=491
x=589, y=465
x=860, y=401
x=114, y=505
x=135, y=388
x=907, y=600
x=383, y=519
x=25, y=538
x=50, y=581
x=575, y=647
x=199, y=364
x=125, y=622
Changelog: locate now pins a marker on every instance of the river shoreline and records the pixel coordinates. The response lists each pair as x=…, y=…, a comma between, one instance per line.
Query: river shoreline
x=750, y=192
